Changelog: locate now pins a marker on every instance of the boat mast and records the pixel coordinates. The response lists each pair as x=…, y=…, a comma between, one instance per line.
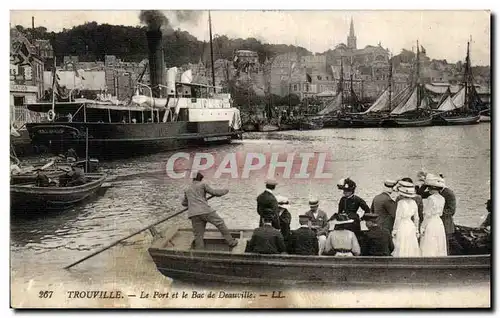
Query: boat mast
x=351, y=89
x=54, y=88
x=211, y=49
x=341, y=81
x=390, y=83
x=418, y=76
x=466, y=77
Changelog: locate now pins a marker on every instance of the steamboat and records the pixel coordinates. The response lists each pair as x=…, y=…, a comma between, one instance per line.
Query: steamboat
x=165, y=115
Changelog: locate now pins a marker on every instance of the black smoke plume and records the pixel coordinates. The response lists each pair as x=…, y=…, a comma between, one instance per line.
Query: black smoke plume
x=154, y=19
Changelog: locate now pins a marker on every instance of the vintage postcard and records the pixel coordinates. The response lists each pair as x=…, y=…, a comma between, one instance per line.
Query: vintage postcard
x=250, y=159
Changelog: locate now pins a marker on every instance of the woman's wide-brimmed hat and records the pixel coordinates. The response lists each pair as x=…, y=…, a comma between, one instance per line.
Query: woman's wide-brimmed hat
x=313, y=202
x=283, y=201
x=338, y=219
x=406, y=189
x=434, y=181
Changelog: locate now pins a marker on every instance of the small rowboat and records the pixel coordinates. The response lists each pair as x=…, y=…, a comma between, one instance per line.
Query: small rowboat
x=25, y=197
x=175, y=258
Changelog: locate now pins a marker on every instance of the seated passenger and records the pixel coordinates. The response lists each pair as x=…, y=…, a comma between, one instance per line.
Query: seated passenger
x=266, y=240
x=303, y=241
x=319, y=221
x=377, y=241
x=341, y=242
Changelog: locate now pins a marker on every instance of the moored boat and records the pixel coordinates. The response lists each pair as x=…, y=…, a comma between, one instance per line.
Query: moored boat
x=166, y=115
x=29, y=197
x=175, y=258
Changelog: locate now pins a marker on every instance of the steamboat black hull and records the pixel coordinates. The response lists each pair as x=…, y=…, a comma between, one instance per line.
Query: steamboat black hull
x=127, y=140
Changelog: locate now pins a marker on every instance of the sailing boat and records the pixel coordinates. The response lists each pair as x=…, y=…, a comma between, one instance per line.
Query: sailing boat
x=413, y=111
x=359, y=119
x=461, y=108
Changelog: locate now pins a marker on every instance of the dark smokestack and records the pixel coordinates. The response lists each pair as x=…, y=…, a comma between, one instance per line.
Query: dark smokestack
x=156, y=60
x=155, y=20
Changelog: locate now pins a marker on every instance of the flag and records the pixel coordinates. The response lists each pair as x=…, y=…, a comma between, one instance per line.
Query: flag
x=422, y=49
x=308, y=78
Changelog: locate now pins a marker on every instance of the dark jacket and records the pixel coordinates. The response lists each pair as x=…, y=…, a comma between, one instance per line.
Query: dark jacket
x=350, y=206
x=450, y=205
x=377, y=241
x=285, y=219
x=266, y=240
x=385, y=208
x=268, y=205
x=320, y=223
x=303, y=241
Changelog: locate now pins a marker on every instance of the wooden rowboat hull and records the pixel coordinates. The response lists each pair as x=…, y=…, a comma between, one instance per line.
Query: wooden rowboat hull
x=174, y=258
x=28, y=197
x=421, y=122
x=461, y=120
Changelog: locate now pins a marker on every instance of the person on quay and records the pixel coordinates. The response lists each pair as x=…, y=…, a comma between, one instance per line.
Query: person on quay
x=349, y=204
x=384, y=205
x=285, y=218
x=341, y=241
x=418, y=199
x=487, y=222
x=267, y=203
x=303, y=241
x=319, y=222
x=266, y=239
x=405, y=231
x=377, y=240
x=432, y=235
x=75, y=177
x=200, y=213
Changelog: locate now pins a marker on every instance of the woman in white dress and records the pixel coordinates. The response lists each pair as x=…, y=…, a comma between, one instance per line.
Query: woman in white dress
x=405, y=230
x=432, y=235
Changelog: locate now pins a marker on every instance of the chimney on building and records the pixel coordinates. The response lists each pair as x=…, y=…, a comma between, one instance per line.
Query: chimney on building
x=156, y=60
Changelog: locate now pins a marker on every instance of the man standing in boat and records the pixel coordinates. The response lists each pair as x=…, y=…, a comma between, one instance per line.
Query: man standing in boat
x=267, y=205
x=200, y=213
x=384, y=205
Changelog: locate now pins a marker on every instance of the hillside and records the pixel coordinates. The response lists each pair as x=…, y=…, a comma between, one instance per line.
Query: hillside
x=91, y=41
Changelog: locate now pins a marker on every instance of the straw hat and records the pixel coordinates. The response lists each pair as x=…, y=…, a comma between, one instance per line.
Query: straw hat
x=313, y=202
x=390, y=183
x=434, y=181
x=283, y=201
x=406, y=189
x=271, y=182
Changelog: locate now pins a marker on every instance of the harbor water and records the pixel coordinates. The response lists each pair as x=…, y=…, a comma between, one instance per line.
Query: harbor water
x=142, y=193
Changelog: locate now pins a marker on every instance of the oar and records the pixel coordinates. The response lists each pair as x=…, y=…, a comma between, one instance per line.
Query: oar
x=129, y=236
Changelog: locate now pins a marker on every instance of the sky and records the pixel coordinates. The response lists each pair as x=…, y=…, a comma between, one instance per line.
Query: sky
x=444, y=34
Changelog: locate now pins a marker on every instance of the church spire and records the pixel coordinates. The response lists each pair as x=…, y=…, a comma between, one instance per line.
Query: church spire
x=351, y=29
x=351, y=39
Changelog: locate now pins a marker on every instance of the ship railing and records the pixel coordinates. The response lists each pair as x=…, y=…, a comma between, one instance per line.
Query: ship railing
x=151, y=96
